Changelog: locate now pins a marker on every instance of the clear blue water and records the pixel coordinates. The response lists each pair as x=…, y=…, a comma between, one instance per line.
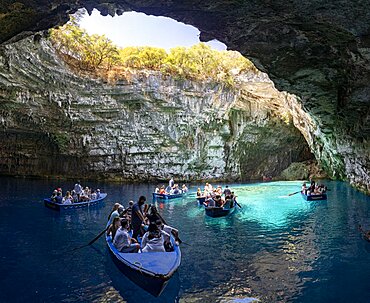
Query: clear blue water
x=277, y=248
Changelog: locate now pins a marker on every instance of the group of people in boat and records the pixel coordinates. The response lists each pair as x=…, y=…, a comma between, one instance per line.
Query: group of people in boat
x=77, y=194
x=216, y=197
x=171, y=189
x=140, y=228
x=313, y=189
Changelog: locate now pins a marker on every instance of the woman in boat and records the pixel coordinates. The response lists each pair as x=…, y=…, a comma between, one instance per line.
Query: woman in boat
x=112, y=229
x=153, y=240
x=153, y=215
x=199, y=192
x=138, y=217
x=68, y=199
x=123, y=241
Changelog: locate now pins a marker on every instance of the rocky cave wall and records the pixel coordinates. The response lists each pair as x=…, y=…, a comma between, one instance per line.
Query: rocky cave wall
x=318, y=50
x=142, y=127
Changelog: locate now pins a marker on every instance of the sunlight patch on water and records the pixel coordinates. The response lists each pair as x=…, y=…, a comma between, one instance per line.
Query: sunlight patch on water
x=269, y=204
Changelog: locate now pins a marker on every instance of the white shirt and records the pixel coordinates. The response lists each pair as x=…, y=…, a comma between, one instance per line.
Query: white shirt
x=155, y=244
x=122, y=239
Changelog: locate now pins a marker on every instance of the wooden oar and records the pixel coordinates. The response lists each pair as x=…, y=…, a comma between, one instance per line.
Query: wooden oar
x=93, y=240
x=236, y=202
x=294, y=193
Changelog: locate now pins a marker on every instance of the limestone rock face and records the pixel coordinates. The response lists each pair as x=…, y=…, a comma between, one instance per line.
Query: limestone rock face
x=144, y=127
x=317, y=50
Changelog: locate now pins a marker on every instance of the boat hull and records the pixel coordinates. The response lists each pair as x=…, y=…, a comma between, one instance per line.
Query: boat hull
x=314, y=197
x=166, y=197
x=216, y=212
x=58, y=207
x=146, y=277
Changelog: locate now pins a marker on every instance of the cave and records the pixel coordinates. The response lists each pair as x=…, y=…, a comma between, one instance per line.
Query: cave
x=316, y=51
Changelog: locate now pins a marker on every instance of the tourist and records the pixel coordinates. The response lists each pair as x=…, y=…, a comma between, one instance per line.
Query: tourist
x=171, y=183
x=169, y=230
x=68, y=199
x=74, y=196
x=116, y=211
x=93, y=195
x=199, y=192
x=59, y=197
x=153, y=239
x=54, y=195
x=98, y=193
x=123, y=241
x=227, y=191
x=138, y=217
x=157, y=190
x=184, y=189
x=153, y=216
x=162, y=191
x=112, y=229
x=78, y=189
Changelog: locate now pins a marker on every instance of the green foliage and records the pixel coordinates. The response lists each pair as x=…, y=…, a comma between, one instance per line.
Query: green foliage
x=199, y=62
x=82, y=50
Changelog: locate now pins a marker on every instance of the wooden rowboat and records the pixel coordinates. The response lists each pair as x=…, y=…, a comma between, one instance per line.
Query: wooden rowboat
x=201, y=200
x=215, y=211
x=56, y=206
x=151, y=271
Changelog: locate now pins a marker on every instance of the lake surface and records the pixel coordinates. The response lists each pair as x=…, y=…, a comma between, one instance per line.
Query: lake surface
x=277, y=248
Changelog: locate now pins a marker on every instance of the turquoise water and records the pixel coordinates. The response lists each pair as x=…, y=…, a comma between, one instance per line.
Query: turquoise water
x=277, y=248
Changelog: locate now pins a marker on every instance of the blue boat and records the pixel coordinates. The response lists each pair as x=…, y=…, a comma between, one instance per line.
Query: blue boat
x=166, y=196
x=56, y=206
x=314, y=197
x=216, y=211
x=150, y=271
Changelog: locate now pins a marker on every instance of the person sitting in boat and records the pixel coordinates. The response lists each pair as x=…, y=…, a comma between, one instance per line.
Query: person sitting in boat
x=123, y=241
x=304, y=188
x=176, y=190
x=218, y=200
x=219, y=190
x=138, y=217
x=54, y=195
x=59, y=197
x=153, y=239
x=199, y=192
x=115, y=213
x=169, y=230
x=162, y=191
x=68, y=199
x=93, y=195
x=227, y=191
x=74, y=196
x=85, y=194
x=210, y=203
x=128, y=211
x=112, y=229
x=153, y=215
x=184, y=189
x=157, y=190
x=98, y=193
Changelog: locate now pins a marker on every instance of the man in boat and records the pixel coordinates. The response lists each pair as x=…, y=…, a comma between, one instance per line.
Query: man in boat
x=116, y=212
x=122, y=240
x=171, y=183
x=168, y=230
x=78, y=189
x=138, y=217
x=227, y=191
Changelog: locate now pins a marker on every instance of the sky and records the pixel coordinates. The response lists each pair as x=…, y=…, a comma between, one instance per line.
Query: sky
x=138, y=29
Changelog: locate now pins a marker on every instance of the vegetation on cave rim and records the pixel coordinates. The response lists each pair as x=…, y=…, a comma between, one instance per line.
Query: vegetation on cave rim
x=97, y=54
